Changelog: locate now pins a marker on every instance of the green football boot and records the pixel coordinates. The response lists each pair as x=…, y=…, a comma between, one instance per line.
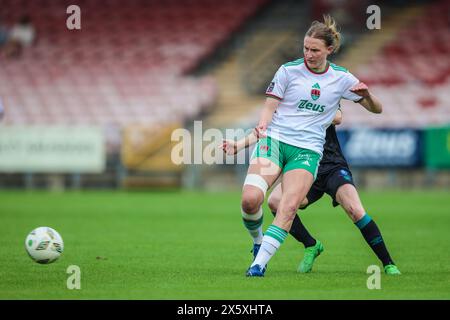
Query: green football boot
x=391, y=269
x=311, y=253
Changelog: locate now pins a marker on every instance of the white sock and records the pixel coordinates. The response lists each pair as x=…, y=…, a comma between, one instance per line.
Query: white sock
x=272, y=240
x=253, y=223
x=267, y=250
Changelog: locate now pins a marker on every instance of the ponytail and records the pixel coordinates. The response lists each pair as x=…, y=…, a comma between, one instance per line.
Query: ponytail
x=326, y=31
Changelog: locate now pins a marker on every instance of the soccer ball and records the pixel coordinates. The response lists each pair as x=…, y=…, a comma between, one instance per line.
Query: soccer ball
x=44, y=245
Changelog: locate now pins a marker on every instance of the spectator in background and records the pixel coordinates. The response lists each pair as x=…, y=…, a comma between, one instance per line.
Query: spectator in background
x=22, y=35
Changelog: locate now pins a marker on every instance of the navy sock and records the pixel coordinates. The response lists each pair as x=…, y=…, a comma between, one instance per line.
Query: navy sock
x=300, y=233
x=372, y=235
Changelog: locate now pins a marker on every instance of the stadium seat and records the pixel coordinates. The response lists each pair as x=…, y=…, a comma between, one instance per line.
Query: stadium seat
x=410, y=76
x=127, y=65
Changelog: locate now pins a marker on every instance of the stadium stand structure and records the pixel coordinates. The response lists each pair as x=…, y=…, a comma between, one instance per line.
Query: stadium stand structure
x=130, y=67
x=408, y=69
x=127, y=65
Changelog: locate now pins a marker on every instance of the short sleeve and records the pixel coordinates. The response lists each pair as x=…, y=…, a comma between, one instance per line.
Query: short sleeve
x=350, y=81
x=278, y=85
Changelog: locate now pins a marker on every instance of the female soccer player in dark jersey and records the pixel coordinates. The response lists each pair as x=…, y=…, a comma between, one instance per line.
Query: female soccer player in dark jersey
x=335, y=179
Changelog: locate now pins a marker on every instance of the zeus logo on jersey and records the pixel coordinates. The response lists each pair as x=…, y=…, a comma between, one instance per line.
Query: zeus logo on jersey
x=306, y=105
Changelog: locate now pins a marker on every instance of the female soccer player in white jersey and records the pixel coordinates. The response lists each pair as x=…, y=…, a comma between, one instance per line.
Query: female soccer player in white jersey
x=301, y=102
x=335, y=179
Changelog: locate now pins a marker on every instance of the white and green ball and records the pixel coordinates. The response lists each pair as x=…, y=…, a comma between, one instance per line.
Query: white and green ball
x=44, y=245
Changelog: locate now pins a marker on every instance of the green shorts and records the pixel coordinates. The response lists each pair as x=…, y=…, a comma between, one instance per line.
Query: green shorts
x=286, y=156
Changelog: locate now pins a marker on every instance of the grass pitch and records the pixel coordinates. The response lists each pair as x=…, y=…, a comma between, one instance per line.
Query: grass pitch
x=185, y=245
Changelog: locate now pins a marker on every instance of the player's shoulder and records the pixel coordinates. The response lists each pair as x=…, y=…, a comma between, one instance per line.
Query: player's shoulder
x=292, y=68
x=338, y=68
x=342, y=73
x=294, y=63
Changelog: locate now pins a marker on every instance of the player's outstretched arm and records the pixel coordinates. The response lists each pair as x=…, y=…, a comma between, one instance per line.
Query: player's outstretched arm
x=369, y=101
x=231, y=147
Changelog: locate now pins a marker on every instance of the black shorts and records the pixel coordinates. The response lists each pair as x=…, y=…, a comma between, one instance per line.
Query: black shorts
x=329, y=183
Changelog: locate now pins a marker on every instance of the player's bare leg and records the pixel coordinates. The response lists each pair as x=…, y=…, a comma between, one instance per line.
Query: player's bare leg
x=313, y=247
x=298, y=230
x=348, y=198
x=275, y=198
x=295, y=185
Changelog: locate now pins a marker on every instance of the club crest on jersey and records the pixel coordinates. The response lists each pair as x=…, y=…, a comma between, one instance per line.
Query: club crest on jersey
x=315, y=92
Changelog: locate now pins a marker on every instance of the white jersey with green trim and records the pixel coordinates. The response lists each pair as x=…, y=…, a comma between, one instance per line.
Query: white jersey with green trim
x=308, y=102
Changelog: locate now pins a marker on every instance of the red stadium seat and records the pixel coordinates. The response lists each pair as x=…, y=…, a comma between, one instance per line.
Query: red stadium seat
x=411, y=75
x=128, y=63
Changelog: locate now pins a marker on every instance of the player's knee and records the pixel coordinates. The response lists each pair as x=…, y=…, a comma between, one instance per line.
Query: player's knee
x=273, y=203
x=358, y=214
x=290, y=209
x=286, y=217
x=250, y=202
x=304, y=203
x=355, y=211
